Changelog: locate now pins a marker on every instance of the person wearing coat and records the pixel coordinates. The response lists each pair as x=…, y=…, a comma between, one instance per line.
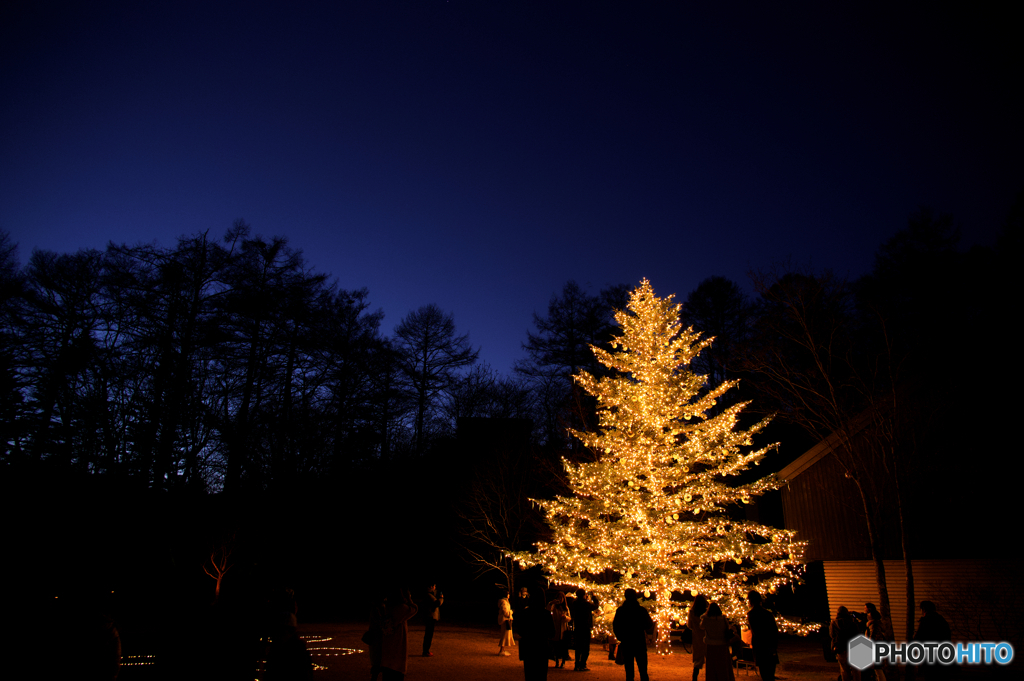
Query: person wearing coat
x=631, y=625
x=432, y=602
x=718, y=635
x=394, y=657
x=505, y=624
x=560, y=614
x=764, y=633
x=700, y=649
x=536, y=629
x=842, y=629
x=582, y=611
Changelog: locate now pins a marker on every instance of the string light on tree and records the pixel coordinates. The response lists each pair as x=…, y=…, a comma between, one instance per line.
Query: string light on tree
x=652, y=512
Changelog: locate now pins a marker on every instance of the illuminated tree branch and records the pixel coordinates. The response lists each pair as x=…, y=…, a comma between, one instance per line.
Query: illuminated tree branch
x=655, y=510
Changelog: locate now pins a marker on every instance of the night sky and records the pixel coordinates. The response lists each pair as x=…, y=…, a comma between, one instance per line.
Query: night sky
x=477, y=154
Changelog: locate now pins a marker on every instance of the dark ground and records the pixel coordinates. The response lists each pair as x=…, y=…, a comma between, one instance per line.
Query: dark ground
x=463, y=653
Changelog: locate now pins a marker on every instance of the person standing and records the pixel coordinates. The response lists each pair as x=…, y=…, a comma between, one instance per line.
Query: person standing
x=536, y=628
x=562, y=618
x=395, y=640
x=876, y=630
x=875, y=627
x=582, y=609
x=431, y=612
x=717, y=637
x=519, y=604
x=842, y=629
x=932, y=627
x=631, y=625
x=764, y=637
x=505, y=623
x=700, y=648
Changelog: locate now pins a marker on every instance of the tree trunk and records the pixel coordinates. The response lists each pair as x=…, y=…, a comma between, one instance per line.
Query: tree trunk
x=876, y=556
x=907, y=566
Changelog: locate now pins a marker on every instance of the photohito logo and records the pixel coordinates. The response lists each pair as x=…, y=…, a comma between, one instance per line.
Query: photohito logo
x=864, y=653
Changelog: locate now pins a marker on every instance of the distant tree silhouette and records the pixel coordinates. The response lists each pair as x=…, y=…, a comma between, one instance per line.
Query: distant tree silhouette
x=497, y=476
x=718, y=309
x=495, y=514
x=389, y=402
x=814, y=360
x=482, y=392
x=914, y=306
x=432, y=355
x=350, y=344
x=165, y=303
x=203, y=366
x=560, y=348
x=61, y=352
x=12, y=300
x=265, y=278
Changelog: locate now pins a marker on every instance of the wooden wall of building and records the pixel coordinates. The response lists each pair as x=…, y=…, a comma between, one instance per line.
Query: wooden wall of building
x=979, y=598
x=825, y=510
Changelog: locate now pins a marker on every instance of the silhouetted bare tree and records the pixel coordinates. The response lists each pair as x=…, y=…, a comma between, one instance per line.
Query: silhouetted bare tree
x=12, y=300
x=560, y=348
x=432, y=355
x=808, y=350
x=718, y=309
x=61, y=352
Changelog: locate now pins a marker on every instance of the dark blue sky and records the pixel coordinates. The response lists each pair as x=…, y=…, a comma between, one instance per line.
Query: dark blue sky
x=477, y=154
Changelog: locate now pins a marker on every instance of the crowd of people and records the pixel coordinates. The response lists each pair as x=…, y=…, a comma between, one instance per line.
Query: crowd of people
x=847, y=625
x=714, y=638
x=545, y=624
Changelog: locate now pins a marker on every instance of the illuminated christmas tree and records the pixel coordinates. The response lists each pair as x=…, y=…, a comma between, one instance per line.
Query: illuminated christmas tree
x=656, y=511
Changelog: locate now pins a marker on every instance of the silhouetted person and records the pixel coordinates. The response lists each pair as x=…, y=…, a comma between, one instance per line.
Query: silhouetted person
x=718, y=635
x=288, y=659
x=582, y=609
x=560, y=642
x=632, y=623
x=876, y=629
x=286, y=609
x=536, y=628
x=842, y=629
x=519, y=604
x=764, y=636
x=700, y=648
x=395, y=642
x=431, y=614
x=932, y=627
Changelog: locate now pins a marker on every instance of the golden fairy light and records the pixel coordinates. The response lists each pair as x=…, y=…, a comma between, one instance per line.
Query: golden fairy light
x=652, y=513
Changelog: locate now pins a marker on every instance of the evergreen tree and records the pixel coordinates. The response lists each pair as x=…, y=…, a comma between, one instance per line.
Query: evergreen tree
x=656, y=511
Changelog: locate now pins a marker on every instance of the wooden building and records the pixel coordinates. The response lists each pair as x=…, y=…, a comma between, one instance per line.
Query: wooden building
x=977, y=594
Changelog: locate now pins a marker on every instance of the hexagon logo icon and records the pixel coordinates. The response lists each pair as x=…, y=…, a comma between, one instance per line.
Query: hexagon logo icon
x=861, y=652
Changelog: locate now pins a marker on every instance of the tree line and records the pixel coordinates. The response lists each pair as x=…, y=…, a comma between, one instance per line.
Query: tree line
x=211, y=365
x=230, y=365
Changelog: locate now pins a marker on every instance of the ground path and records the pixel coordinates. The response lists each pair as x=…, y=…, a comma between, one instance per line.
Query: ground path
x=468, y=654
